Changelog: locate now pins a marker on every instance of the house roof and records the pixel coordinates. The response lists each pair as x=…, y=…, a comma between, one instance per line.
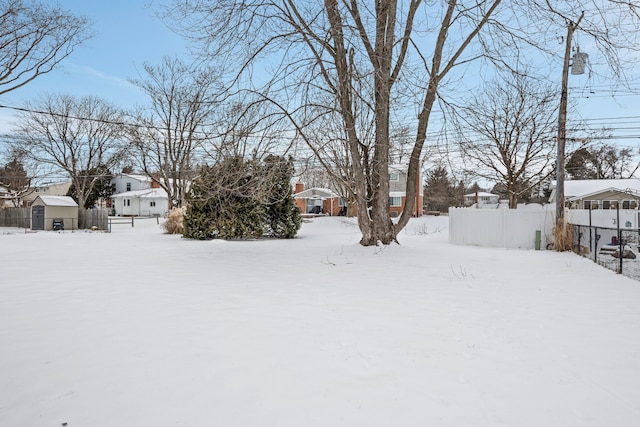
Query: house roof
x=607, y=192
x=318, y=193
x=481, y=194
x=58, y=201
x=148, y=193
x=575, y=188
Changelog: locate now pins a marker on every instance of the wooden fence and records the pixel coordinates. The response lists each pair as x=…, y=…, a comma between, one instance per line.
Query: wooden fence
x=89, y=218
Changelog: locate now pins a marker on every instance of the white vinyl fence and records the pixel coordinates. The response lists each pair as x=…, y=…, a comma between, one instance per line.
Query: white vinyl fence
x=501, y=228
x=516, y=228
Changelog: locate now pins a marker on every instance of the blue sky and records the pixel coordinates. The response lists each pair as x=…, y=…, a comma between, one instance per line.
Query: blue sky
x=128, y=35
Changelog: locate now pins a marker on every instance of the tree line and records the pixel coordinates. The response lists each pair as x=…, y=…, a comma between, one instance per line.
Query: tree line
x=352, y=85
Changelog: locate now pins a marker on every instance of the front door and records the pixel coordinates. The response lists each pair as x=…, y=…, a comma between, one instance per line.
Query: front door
x=37, y=217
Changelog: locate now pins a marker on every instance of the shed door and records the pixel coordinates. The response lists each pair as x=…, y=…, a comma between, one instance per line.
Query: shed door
x=37, y=217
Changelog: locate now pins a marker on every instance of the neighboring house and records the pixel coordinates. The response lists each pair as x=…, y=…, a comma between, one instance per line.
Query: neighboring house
x=398, y=194
x=322, y=200
x=147, y=202
x=46, y=189
x=130, y=182
x=6, y=200
x=481, y=199
x=138, y=195
x=318, y=201
x=54, y=213
x=599, y=193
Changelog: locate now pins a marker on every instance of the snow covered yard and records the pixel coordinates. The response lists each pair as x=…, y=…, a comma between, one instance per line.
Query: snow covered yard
x=139, y=328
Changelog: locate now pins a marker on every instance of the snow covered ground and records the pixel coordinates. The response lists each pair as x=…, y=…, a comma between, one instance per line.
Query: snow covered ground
x=139, y=328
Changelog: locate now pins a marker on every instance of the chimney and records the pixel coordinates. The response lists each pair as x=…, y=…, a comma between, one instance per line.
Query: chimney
x=299, y=187
x=154, y=178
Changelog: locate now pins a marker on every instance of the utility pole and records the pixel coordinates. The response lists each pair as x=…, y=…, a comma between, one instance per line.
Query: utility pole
x=561, y=243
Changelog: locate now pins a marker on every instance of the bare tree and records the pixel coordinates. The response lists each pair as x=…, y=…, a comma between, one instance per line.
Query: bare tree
x=341, y=59
x=74, y=135
x=34, y=38
x=505, y=134
x=602, y=161
x=353, y=53
x=175, y=125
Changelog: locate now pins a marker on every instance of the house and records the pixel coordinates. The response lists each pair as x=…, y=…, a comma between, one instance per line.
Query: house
x=481, y=199
x=147, y=202
x=322, y=200
x=599, y=193
x=130, y=182
x=45, y=189
x=54, y=213
x=318, y=201
x=398, y=194
x=138, y=195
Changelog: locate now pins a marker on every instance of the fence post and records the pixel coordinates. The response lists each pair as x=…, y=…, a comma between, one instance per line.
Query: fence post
x=619, y=235
x=595, y=248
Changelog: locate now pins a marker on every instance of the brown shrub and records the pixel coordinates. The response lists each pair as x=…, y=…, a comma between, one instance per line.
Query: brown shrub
x=173, y=224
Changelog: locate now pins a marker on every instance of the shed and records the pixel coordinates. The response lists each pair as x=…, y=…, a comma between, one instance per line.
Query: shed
x=54, y=213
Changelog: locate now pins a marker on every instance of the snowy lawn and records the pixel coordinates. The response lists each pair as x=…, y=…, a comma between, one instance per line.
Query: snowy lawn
x=138, y=328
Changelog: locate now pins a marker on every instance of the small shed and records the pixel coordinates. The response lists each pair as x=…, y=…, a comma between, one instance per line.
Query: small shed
x=54, y=213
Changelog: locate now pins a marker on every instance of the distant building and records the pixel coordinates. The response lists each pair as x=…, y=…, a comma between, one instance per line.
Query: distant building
x=481, y=198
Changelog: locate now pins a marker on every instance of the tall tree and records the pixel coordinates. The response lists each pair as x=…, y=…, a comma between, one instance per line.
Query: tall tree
x=505, y=135
x=603, y=161
x=102, y=187
x=74, y=135
x=345, y=59
x=14, y=178
x=438, y=190
x=34, y=38
x=341, y=59
x=174, y=126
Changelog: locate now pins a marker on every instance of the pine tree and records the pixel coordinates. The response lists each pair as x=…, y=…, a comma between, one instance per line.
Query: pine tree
x=282, y=217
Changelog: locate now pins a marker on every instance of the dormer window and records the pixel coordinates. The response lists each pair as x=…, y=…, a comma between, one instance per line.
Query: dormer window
x=128, y=186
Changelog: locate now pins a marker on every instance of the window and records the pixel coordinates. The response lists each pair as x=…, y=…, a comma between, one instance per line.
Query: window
x=395, y=201
x=152, y=204
x=394, y=176
x=606, y=204
x=126, y=202
x=128, y=186
x=625, y=204
x=587, y=204
x=341, y=202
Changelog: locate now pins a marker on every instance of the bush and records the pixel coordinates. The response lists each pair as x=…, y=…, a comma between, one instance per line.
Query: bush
x=175, y=221
x=242, y=199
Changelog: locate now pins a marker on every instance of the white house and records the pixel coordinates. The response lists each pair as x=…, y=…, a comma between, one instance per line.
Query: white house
x=130, y=182
x=597, y=193
x=145, y=202
x=481, y=198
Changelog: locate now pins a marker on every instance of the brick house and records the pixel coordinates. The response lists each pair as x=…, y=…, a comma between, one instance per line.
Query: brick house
x=326, y=201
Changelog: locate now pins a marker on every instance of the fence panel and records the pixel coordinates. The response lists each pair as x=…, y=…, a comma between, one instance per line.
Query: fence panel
x=88, y=218
x=15, y=217
x=500, y=228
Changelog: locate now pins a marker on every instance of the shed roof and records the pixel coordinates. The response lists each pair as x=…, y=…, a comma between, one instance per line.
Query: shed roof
x=58, y=201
